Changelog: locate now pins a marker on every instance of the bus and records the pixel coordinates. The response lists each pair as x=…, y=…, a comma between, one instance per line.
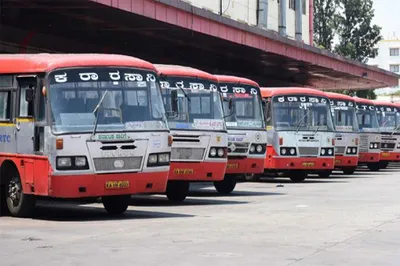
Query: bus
x=347, y=132
x=195, y=118
x=388, y=118
x=300, y=132
x=370, y=136
x=244, y=119
x=80, y=126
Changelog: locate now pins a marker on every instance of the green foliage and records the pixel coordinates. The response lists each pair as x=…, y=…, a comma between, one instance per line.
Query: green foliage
x=357, y=36
x=324, y=23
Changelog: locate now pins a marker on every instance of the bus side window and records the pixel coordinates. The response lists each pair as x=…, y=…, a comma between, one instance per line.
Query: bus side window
x=5, y=106
x=25, y=106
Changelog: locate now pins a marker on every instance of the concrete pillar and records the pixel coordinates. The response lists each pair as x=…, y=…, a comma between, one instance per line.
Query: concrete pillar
x=299, y=20
x=263, y=13
x=282, y=17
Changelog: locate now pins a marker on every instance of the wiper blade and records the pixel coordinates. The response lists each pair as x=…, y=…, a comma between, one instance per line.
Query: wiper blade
x=95, y=111
x=394, y=130
x=301, y=120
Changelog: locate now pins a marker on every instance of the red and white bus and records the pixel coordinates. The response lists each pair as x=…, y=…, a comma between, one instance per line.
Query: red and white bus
x=244, y=118
x=79, y=126
x=300, y=132
x=347, y=132
x=196, y=120
x=389, y=118
x=370, y=135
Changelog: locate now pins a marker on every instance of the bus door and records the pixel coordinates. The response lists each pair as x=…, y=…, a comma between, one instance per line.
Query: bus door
x=7, y=128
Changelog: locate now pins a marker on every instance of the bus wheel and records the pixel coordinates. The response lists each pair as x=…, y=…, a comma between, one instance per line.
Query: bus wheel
x=177, y=190
x=18, y=203
x=227, y=185
x=116, y=205
x=325, y=174
x=349, y=170
x=383, y=164
x=298, y=177
x=3, y=201
x=373, y=167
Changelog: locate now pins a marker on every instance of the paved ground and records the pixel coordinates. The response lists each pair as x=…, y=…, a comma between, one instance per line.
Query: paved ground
x=336, y=221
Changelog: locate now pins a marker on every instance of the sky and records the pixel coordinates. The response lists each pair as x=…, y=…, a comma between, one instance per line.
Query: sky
x=387, y=14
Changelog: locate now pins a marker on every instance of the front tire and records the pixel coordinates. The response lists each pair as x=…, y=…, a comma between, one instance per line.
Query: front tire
x=383, y=164
x=349, y=171
x=18, y=203
x=177, y=191
x=325, y=174
x=227, y=185
x=298, y=176
x=116, y=205
x=3, y=201
x=374, y=167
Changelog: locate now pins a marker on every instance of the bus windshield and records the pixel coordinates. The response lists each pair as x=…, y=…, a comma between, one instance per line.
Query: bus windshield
x=344, y=116
x=132, y=100
x=192, y=103
x=242, y=106
x=388, y=118
x=301, y=112
x=367, y=118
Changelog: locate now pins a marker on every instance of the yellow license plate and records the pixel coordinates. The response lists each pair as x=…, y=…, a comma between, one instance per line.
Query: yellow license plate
x=183, y=171
x=232, y=165
x=308, y=164
x=338, y=161
x=385, y=154
x=117, y=184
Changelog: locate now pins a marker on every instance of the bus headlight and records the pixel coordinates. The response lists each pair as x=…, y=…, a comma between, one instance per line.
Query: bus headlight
x=348, y=150
x=64, y=162
x=288, y=151
x=292, y=151
x=354, y=150
x=158, y=159
x=283, y=151
x=163, y=158
x=252, y=148
x=330, y=151
x=220, y=152
x=80, y=161
x=376, y=145
x=323, y=151
x=213, y=152
x=152, y=159
x=259, y=148
x=371, y=146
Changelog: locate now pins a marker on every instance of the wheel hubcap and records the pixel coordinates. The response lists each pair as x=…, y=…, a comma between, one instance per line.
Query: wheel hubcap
x=14, y=192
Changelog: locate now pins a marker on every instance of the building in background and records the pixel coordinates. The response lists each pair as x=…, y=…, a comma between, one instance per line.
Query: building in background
x=290, y=18
x=389, y=59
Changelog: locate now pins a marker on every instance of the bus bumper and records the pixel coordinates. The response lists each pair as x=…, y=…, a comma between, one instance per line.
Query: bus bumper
x=390, y=156
x=201, y=171
x=368, y=157
x=245, y=166
x=345, y=161
x=311, y=164
x=97, y=185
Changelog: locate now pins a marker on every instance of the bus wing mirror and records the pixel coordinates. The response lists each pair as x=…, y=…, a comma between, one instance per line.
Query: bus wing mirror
x=30, y=93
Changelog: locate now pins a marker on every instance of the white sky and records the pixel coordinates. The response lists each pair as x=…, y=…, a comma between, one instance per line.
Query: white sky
x=387, y=13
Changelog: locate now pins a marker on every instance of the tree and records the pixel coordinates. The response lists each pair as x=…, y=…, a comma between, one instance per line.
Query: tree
x=357, y=36
x=324, y=23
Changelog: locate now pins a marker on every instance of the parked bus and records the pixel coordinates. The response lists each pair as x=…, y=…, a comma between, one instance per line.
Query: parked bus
x=388, y=119
x=300, y=132
x=195, y=118
x=347, y=132
x=244, y=119
x=370, y=138
x=80, y=126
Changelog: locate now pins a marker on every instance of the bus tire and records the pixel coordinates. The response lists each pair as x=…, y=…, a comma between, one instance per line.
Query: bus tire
x=298, y=176
x=349, y=170
x=177, y=191
x=18, y=203
x=116, y=205
x=374, y=167
x=227, y=185
x=325, y=174
x=383, y=164
x=3, y=201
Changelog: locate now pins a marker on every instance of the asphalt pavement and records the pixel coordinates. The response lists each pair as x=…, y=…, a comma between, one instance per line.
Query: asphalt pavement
x=342, y=220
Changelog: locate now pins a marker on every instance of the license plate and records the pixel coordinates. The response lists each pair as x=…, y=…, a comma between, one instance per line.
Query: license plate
x=232, y=166
x=183, y=171
x=385, y=154
x=338, y=161
x=117, y=184
x=308, y=164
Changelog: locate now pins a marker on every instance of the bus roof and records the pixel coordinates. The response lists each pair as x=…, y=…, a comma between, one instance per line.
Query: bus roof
x=270, y=92
x=237, y=80
x=36, y=63
x=184, y=71
x=385, y=103
x=339, y=96
x=363, y=100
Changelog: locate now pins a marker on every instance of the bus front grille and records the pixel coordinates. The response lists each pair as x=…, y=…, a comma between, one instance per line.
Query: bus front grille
x=388, y=146
x=364, y=143
x=340, y=150
x=117, y=163
x=308, y=151
x=238, y=147
x=190, y=154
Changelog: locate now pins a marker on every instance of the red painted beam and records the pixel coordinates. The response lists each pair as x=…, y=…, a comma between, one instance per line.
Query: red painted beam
x=177, y=13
